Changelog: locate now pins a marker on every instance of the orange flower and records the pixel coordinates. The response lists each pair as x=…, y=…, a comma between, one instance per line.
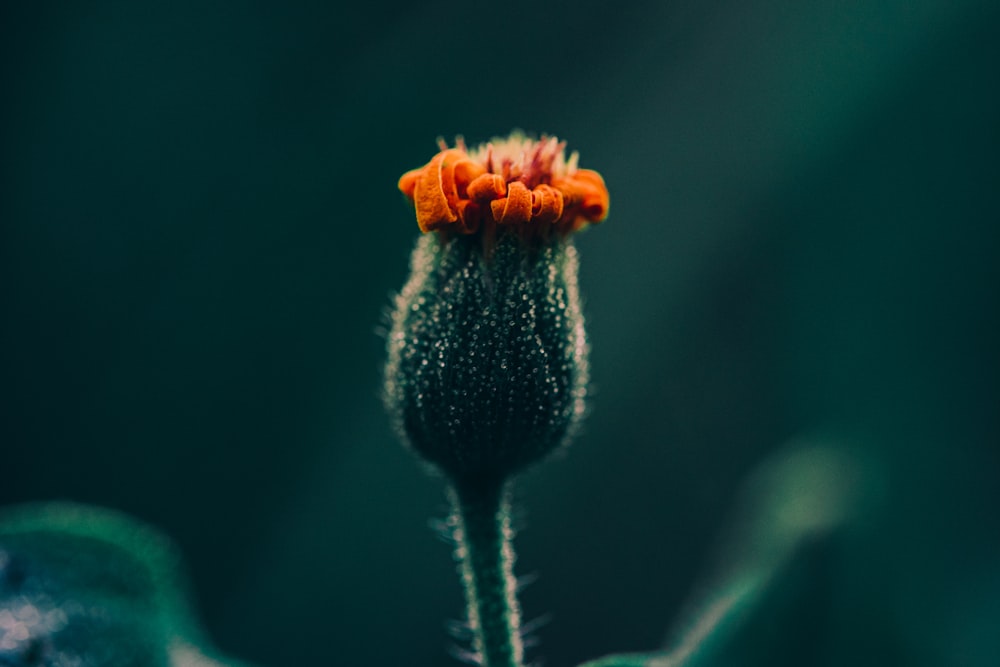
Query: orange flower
x=518, y=182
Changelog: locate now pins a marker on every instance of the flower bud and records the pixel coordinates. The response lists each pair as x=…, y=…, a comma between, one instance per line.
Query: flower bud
x=487, y=368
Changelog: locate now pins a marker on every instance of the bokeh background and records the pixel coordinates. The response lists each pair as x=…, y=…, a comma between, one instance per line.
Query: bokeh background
x=200, y=231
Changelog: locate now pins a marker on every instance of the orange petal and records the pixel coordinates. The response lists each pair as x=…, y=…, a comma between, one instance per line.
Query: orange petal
x=454, y=170
x=466, y=171
x=408, y=181
x=585, y=197
x=429, y=196
x=487, y=187
x=546, y=204
x=515, y=208
x=595, y=195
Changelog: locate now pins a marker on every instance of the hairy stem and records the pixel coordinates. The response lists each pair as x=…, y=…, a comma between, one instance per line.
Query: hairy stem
x=483, y=547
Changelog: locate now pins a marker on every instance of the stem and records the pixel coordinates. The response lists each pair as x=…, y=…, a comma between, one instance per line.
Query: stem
x=483, y=546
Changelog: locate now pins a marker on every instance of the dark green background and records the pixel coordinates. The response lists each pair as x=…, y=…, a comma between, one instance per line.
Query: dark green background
x=201, y=229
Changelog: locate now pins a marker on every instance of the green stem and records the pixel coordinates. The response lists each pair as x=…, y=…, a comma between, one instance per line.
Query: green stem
x=483, y=547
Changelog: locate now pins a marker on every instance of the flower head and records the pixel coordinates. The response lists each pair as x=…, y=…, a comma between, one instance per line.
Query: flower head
x=487, y=357
x=518, y=182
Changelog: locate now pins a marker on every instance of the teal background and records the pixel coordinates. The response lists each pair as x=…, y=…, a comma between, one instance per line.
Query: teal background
x=200, y=231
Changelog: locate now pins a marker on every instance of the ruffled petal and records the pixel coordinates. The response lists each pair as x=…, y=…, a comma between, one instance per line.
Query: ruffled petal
x=546, y=204
x=515, y=208
x=487, y=187
x=429, y=195
x=594, y=206
x=408, y=181
x=585, y=198
x=466, y=171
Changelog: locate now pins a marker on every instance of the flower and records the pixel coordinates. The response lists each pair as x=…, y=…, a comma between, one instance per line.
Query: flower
x=487, y=356
x=517, y=182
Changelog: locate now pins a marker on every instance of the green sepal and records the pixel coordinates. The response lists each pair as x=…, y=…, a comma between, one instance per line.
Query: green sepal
x=487, y=366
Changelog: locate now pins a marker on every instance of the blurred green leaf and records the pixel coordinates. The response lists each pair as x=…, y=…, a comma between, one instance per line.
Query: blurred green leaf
x=90, y=587
x=803, y=492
